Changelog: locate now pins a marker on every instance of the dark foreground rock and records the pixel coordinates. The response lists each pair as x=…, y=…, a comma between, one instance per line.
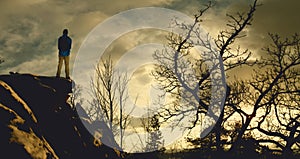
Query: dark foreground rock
x=36, y=121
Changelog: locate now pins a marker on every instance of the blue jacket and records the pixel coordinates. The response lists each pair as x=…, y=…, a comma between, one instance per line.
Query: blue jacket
x=64, y=50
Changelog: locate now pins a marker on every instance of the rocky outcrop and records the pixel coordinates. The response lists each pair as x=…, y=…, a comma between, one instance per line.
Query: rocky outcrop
x=36, y=121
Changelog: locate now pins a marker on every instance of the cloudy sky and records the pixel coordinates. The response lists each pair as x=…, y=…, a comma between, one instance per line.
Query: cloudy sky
x=29, y=29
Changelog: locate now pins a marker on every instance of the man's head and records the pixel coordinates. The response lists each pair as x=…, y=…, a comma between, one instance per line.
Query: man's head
x=65, y=32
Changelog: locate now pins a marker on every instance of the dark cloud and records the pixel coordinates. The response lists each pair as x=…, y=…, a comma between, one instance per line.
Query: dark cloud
x=23, y=40
x=274, y=16
x=277, y=16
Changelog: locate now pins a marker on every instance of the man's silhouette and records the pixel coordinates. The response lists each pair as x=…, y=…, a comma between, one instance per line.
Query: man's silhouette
x=64, y=47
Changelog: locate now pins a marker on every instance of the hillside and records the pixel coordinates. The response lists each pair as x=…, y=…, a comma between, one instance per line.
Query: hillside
x=36, y=121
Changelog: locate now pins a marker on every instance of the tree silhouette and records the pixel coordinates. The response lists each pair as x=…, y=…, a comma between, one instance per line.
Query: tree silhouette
x=76, y=96
x=109, y=98
x=172, y=71
x=258, y=111
x=154, y=142
x=277, y=97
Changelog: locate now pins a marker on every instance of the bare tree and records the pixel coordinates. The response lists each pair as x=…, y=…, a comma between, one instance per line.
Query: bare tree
x=109, y=98
x=154, y=142
x=277, y=94
x=76, y=97
x=172, y=72
x=104, y=93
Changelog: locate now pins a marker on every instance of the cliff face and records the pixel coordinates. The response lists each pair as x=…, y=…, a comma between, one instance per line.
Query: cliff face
x=37, y=122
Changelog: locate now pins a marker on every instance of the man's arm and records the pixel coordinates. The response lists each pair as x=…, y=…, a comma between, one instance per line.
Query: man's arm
x=70, y=45
x=58, y=43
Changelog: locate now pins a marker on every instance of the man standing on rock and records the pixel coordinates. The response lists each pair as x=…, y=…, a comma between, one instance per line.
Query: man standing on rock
x=64, y=47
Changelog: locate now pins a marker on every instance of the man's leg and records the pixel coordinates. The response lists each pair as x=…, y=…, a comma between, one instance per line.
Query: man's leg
x=67, y=71
x=60, y=62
